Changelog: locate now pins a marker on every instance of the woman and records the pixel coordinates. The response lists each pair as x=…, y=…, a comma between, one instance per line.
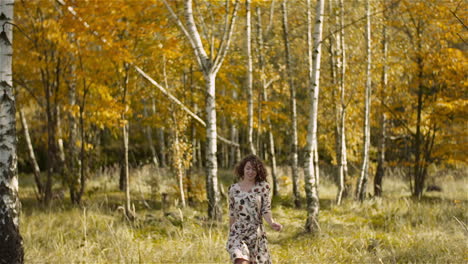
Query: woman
x=249, y=200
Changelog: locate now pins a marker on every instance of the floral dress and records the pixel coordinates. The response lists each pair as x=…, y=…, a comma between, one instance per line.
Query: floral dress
x=247, y=239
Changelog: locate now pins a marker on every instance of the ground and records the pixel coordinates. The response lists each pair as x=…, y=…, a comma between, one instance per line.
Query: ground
x=393, y=229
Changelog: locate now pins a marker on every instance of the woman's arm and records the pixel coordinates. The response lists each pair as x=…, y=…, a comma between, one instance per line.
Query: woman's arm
x=266, y=208
x=231, y=221
x=268, y=218
x=232, y=217
x=276, y=226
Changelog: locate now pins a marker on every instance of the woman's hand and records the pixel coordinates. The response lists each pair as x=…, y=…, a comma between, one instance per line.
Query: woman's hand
x=276, y=226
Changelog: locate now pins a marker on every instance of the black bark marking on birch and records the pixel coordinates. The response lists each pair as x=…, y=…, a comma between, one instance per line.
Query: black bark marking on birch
x=11, y=251
x=4, y=38
x=4, y=84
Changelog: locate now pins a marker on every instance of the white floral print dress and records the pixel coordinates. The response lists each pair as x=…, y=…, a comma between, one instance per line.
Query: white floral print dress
x=247, y=239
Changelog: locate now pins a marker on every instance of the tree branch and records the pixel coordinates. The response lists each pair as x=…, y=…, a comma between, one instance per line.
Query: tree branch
x=179, y=103
x=223, y=49
x=202, y=57
x=152, y=81
x=184, y=30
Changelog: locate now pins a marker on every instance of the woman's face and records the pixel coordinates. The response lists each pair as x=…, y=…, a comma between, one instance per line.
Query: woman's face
x=249, y=171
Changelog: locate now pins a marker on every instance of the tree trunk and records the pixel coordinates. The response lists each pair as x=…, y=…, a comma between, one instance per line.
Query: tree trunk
x=214, y=210
x=249, y=77
x=51, y=148
x=199, y=154
x=193, y=139
x=161, y=146
x=362, y=185
x=179, y=170
x=294, y=155
x=234, y=156
x=60, y=139
x=333, y=42
x=149, y=137
x=128, y=209
x=160, y=136
x=11, y=249
x=419, y=175
x=32, y=157
x=271, y=140
x=233, y=151
x=210, y=67
x=311, y=169
x=82, y=165
x=344, y=183
x=72, y=151
x=379, y=174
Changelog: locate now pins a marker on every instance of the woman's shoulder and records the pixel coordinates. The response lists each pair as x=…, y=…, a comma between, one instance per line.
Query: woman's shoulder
x=232, y=187
x=263, y=187
x=264, y=184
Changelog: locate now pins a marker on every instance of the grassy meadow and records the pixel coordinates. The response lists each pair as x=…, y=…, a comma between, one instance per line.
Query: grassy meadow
x=392, y=229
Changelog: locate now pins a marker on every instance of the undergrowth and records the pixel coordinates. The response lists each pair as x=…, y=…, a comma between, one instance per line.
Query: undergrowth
x=392, y=229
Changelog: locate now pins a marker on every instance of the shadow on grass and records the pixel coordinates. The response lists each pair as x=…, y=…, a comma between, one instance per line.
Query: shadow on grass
x=105, y=202
x=435, y=199
x=287, y=201
x=293, y=236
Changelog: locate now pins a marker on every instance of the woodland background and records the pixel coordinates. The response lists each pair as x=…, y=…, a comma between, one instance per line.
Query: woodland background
x=113, y=169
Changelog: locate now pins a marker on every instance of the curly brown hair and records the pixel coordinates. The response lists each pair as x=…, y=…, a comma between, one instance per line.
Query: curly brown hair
x=256, y=163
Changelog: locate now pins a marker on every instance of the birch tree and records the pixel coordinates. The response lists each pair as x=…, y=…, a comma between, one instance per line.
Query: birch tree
x=72, y=150
x=11, y=249
x=32, y=156
x=235, y=151
x=342, y=158
x=362, y=184
x=311, y=168
x=265, y=86
x=129, y=212
x=248, y=45
x=209, y=65
x=294, y=154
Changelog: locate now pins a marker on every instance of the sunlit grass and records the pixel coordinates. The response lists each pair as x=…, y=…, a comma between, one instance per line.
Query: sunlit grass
x=392, y=229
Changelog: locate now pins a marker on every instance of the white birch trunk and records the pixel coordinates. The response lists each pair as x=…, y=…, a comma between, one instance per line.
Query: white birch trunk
x=178, y=165
x=210, y=68
x=32, y=156
x=235, y=151
x=128, y=209
x=271, y=140
x=11, y=249
x=126, y=177
x=332, y=50
x=343, y=187
x=59, y=136
x=249, y=76
x=211, y=150
x=361, y=188
x=292, y=89
x=311, y=168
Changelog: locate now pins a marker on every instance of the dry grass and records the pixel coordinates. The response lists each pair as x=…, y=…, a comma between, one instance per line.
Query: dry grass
x=392, y=229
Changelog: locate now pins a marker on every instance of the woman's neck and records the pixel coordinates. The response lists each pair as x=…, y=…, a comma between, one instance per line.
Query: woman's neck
x=247, y=182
